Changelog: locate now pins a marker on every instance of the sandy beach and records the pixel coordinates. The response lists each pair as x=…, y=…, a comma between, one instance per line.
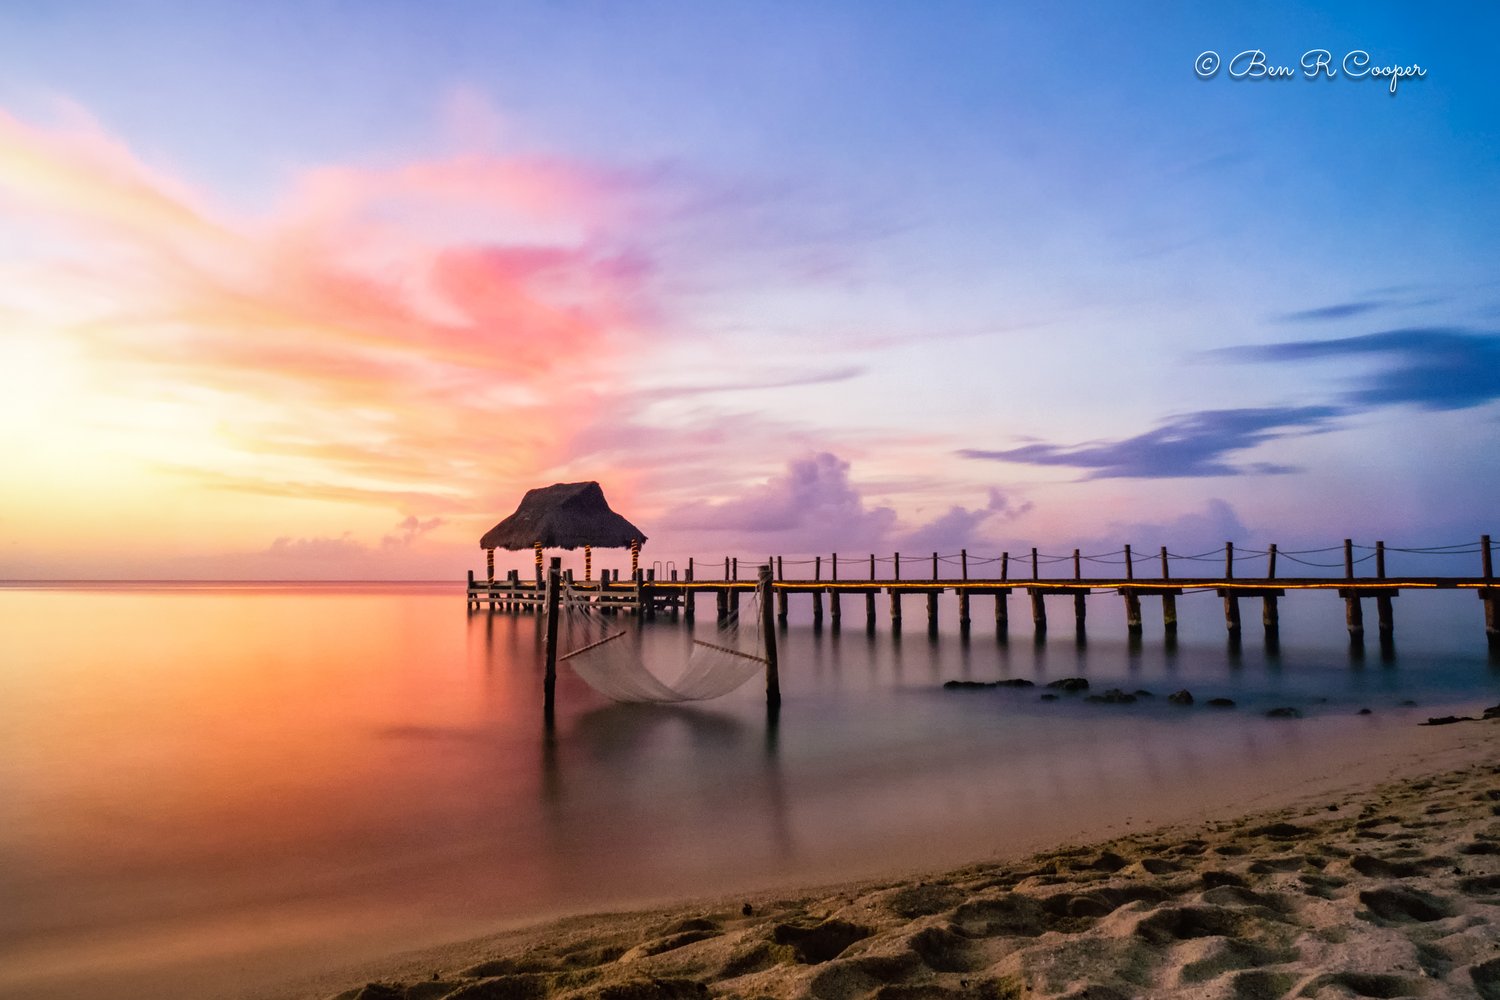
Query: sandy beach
x=1380, y=878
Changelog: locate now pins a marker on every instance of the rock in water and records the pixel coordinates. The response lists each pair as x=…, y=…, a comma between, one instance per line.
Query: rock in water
x=1070, y=684
x=1183, y=697
x=1220, y=703
x=1284, y=712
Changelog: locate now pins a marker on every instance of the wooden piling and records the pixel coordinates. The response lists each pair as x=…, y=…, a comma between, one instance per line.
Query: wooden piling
x=1354, y=616
x=768, y=637
x=549, y=677
x=963, y=563
x=1271, y=563
x=781, y=606
x=1231, y=613
x=932, y=613
x=834, y=611
x=1169, y=613
x=817, y=595
x=870, y=611
x=895, y=610
x=688, y=596
x=963, y=612
x=1270, y=615
x=1384, y=614
x=1080, y=611
x=1129, y=567
x=1229, y=562
x=1132, y=613
x=1489, y=595
x=1002, y=614
x=1035, y=575
x=1038, y=611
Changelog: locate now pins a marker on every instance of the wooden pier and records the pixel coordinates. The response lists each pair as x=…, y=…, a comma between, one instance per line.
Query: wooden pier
x=647, y=596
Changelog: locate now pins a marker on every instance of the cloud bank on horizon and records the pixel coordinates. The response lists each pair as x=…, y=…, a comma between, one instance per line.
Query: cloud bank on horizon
x=869, y=280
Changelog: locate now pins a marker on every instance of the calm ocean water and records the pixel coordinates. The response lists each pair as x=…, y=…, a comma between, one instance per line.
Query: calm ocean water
x=206, y=789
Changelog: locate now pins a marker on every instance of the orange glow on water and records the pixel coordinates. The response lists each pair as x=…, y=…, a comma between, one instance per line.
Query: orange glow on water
x=219, y=787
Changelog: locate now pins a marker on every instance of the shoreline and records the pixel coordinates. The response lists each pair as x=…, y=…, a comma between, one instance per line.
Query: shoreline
x=1305, y=886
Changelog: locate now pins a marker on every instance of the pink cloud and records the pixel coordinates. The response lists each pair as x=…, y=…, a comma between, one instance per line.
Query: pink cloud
x=345, y=334
x=814, y=506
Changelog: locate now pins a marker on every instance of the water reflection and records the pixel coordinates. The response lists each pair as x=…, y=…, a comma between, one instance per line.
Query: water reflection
x=369, y=755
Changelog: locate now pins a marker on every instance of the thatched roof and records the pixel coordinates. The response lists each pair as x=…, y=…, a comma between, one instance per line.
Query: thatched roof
x=563, y=516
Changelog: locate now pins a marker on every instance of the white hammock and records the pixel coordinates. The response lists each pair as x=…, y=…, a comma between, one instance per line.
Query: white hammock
x=592, y=648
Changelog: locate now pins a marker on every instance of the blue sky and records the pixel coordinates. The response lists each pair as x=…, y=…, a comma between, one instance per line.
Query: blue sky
x=957, y=274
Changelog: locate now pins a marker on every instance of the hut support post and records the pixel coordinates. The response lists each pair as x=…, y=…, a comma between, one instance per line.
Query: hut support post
x=549, y=680
x=489, y=566
x=768, y=636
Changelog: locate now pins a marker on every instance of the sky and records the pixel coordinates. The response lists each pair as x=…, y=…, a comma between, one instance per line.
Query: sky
x=319, y=290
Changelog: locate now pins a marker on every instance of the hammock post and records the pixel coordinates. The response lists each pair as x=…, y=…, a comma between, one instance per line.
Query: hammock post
x=768, y=631
x=549, y=681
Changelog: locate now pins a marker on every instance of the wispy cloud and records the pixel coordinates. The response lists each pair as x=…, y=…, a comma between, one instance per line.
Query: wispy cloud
x=1341, y=310
x=1433, y=368
x=429, y=328
x=1187, y=445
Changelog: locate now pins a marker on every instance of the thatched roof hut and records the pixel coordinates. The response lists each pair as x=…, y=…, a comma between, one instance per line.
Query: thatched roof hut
x=563, y=516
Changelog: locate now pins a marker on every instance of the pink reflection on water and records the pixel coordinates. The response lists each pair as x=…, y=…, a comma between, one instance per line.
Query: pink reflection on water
x=211, y=788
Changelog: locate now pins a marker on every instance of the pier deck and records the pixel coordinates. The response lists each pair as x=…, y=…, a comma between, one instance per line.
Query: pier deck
x=647, y=596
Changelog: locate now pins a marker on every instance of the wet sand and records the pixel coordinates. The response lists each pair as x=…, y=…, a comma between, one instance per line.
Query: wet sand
x=1379, y=877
